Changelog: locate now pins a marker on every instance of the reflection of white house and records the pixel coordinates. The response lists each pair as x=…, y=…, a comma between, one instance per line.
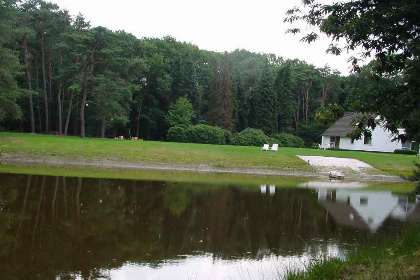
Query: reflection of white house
x=380, y=141
x=365, y=209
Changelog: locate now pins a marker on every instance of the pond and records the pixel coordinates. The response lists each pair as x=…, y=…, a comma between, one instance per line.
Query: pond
x=80, y=228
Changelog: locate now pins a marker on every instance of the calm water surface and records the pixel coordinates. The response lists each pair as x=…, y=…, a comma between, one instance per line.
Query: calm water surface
x=79, y=228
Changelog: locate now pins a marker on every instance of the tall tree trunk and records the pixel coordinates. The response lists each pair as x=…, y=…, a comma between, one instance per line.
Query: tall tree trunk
x=31, y=254
x=44, y=81
x=66, y=126
x=65, y=196
x=76, y=114
x=324, y=94
x=89, y=63
x=59, y=121
x=83, y=103
x=54, y=198
x=21, y=218
x=103, y=128
x=39, y=117
x=297, y=114
x=60, y=86
x=77, y=204
x=28, y=76
x=50, y=80
x=138, y=115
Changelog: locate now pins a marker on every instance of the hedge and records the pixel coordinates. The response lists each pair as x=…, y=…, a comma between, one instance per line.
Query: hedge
x=289, y=140
x=405, y=152
x=200, y=133
x=251, y=137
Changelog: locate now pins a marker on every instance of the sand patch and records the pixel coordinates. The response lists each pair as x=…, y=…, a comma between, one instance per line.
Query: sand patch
x=335, y=162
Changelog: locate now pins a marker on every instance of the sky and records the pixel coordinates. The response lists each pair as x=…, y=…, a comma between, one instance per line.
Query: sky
x=215, y=25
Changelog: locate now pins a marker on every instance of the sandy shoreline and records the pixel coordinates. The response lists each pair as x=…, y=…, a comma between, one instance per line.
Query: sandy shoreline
x=318, y=173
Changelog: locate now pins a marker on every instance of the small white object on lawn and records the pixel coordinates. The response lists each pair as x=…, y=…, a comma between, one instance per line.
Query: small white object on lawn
x=266, y=147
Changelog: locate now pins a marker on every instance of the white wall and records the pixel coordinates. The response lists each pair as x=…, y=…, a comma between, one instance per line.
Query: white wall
x=378, y=205
x=381, y=142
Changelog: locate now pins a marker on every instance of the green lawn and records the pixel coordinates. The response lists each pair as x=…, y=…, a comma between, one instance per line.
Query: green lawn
x=182, y=154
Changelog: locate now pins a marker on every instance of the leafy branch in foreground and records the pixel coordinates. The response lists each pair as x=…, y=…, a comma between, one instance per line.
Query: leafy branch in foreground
x=389, y=31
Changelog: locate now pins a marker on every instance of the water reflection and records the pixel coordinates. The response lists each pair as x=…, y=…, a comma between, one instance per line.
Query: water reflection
x=78, y=228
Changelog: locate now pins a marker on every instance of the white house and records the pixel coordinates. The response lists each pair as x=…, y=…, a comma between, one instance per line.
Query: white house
x=366, y=209
x=380, y=141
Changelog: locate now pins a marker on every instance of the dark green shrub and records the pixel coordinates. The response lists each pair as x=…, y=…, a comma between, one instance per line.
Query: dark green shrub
x=251, y=137
x=289, y=140
x=334, y=149
x=405, y=152
x=177, y=134
x=315, y=146
x=207, y=134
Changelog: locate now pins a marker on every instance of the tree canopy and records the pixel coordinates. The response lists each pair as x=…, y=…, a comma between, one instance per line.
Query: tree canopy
x=387, y=30
x=59, y=74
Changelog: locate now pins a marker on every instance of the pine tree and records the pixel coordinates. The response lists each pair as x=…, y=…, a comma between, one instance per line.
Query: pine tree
x=285, y=105
x=220, y=102
x=265, y=102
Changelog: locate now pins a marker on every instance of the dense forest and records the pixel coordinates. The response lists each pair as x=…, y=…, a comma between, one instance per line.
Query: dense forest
x=61, y=76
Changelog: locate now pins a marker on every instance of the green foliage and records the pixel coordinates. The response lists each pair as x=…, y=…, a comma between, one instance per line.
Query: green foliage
x=315, y=146
x=177, y=134
x=329, y=114
x=200, y=133
x=311, y=132
x=264, y=102
x=389, y=32
x=289, y=140
x=405, y=152
x=9, y=64
x=220, y=106
x=251, y=137
x=206, y=134
x=181, y=113
x=285, y=104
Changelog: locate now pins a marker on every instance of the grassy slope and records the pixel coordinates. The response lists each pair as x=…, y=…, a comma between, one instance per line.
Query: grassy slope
x=74, y=148
x=399, y=259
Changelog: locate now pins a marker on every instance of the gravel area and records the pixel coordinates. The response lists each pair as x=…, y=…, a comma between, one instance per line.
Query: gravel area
x=335, y=162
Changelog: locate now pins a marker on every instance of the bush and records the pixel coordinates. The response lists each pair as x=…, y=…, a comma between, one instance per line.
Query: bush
x=289, y=140
x=177, y=134
x=251, y=137
x=405, y=152
x=334, y=149
x=207, y=134
x=200, y=133
x=315, y=146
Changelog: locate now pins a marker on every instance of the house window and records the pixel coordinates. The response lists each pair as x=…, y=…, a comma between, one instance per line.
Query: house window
x=368, y=140
x=406, y=145
x=363, y=201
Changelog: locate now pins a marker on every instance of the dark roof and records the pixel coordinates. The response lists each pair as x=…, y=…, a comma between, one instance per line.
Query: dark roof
x=344, y=215
x=341, y=127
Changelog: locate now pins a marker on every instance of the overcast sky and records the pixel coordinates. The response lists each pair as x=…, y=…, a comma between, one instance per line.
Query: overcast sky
x=216, y=25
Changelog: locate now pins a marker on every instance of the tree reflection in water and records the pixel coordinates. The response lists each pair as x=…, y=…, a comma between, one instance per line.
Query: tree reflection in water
x=53, y=226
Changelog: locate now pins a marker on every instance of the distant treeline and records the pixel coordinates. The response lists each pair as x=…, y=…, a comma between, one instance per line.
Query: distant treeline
x=60, y=75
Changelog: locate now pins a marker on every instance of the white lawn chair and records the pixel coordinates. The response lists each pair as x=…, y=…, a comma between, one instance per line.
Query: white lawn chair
x=275, y=147
x=266, y=147
x=272, y=190
x=263, y=189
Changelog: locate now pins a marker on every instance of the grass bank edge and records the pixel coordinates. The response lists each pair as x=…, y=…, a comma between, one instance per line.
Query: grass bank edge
x=396, y=259
x=184, y=177
x=153, y=175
